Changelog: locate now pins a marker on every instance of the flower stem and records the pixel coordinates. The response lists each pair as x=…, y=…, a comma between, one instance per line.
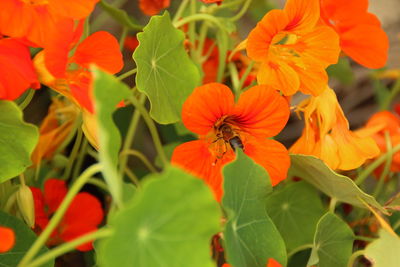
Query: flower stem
x=127, y=74
x=73, y=155
x=27, y=99
x=354, y=256
x=386, y=168
x=141, y=156
x=122, y=38
x=332, y=204
x=246, y=74
x=395, y=90
x=66, y=247
x=58, y=215
x=240, y=14
x=180, y=10
x=364, y=238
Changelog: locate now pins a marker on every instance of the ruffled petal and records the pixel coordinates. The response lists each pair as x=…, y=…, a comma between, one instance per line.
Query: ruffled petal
x=270, y=154
x=54, y=192
x=196, y=158
x=261, y=111
x=205, y=106
x=100, y=48
x=75, y=9
x=303, y=15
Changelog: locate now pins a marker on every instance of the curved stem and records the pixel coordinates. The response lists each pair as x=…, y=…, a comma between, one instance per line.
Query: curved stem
x=66, y=247
x=73, y=155
x=180, y=10
x=367, y=171
x=332, y=204
x=354, y=256
x=98, y=183
x=140, y=156
x=131, y=175
x=395, y=90
x=198, y=17
x=122, y=38
x=127, y=74
x=300, y=248
x=246, y=74
x=364, y=238
x=58, y=215
x=239, y=15
x=27, y=99
x=386, y=168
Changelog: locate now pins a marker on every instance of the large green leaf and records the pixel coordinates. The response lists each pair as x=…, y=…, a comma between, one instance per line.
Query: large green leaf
x=385, y=251
x=317, y=173
x=169, y=222
x=165, y=72
x=108, y=92
x=333, y=242
x=17, y=141
x=295, y=210
x=251, y=237
x=24, y=238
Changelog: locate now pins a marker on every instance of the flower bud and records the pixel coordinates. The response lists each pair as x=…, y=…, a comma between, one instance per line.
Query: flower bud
x=26, y=205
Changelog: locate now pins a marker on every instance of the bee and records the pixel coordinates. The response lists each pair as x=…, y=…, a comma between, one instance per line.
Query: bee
x=228, y=135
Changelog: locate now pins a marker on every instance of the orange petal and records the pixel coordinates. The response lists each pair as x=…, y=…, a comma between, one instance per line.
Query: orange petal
x=273, y=263
x=195, y=158
x=205, y=106
x=16, y=69
x=261, y=111
x=153, y=7
x=270, y=154
x=261, y=36
x=385, y=119
x=102, y=49
x=338, y=11
x=7, y=241
x=75, y=9
x=303, y=15
x=367, y=44
x=313, y=80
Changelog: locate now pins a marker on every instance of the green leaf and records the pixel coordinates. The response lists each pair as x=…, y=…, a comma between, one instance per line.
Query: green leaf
x=333, y=242
x=17, y=141
x=384, y=252
x=295, y=210
x=317, y=173
x=108, y=92
x=342, y=71
x=24, y=238
x=165, y=72
x=121, y=16
x=251, y=237
x=169, y=222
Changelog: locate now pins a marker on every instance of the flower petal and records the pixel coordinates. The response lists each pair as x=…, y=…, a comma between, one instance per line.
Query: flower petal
x=41, y=218
x=205, y=106
x=7, y=239
x=75, y=9
x=280, y=76
x=261, y=111
x=303, y=15
x=54, y=192
x=270, y=154
x=153, y=7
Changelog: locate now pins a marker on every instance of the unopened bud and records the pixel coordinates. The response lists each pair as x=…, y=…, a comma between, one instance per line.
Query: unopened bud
x=26, y=205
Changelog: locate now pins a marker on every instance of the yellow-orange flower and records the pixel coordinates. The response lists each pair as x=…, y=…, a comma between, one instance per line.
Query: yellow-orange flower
x=222, y=125
x=327, y=136
x=293, y=48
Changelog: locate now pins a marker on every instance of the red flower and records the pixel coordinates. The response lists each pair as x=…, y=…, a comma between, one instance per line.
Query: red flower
x=7, y=239
x=16, y=69
x=271, y=263
x=153, y=7
x=361, y=35
x=223, y=124
x=83, y=215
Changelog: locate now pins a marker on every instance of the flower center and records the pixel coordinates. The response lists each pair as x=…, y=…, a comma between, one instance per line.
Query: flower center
x=286, y=45
x=35, y=2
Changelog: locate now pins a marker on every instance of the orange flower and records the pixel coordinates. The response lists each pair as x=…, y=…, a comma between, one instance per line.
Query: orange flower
x=70, y=75
x=327, y=136
x=34, y=19
x=377, y=125
x=361, y=35
x=54, y=129
x=7, y=239
x=271, y=263
x=212, y=1
x=293, y=48
x=223, y=125
x=153, y=7
x=16, y=69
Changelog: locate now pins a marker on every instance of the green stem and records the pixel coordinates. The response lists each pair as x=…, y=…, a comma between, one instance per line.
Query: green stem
x=71, y=245
x=140, y=156
x=73, y=155
x=192, y=29
x=367, y=171
x=127, y=74
x=98, y=183
x=198, y=17
x=153, y=130
x=332, y=204
x=81, y=157
x=132, y=176
x=58, y=215
x=240, y=14
x=124, y=33
x=202, y=38
x=364, y=238
x=354, y=256
x=300, y=248
x=180, y=10
x=234, y=78
x=395, y=90
x=246, y=74
x=27, y=99
x=386, y=168
x=130, y=135
x=22, y=179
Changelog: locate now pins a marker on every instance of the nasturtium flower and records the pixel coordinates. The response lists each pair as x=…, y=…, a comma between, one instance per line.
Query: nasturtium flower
x=361, y=35
x=82, y=216
x=212, y=1
x=16, y=69
x=327, y=136
x=294, y=49
x=376, y=127
x=271, y=263
x=54, y=129
x=223, y=125
x=70, y=75
x=7, y=239
x=153, y=7
x=33, y=19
